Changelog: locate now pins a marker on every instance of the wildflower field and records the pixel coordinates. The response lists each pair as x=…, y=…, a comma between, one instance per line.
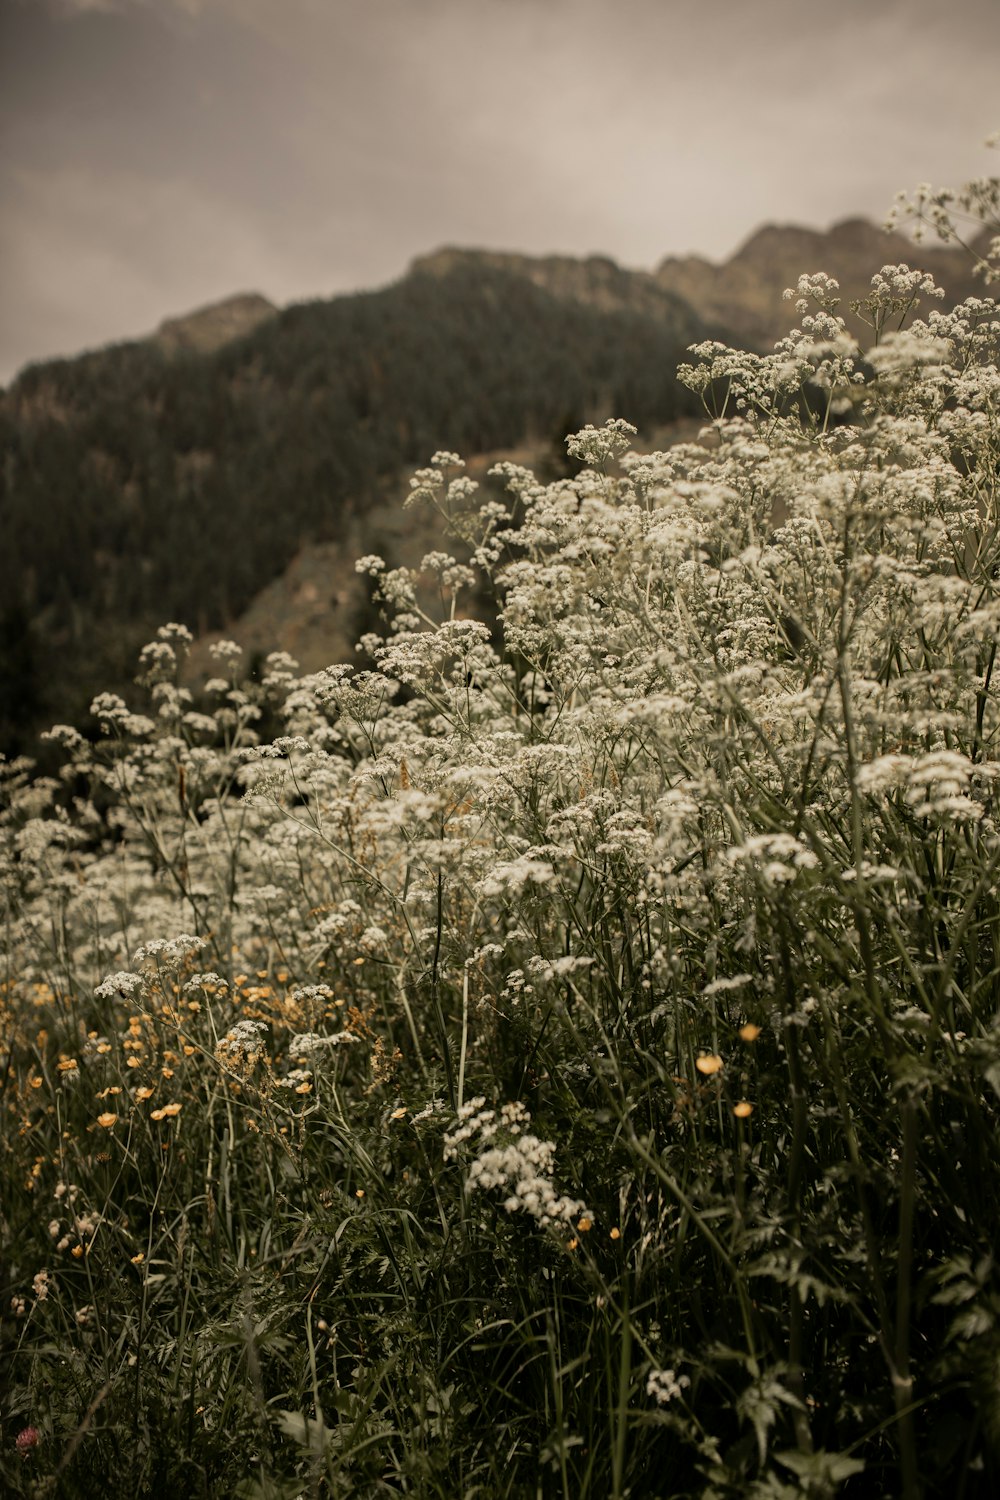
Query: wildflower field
x=564, y=1059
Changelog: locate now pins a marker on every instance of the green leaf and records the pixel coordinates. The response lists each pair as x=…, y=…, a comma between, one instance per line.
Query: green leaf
x=820, y=1467
x=311, y=1433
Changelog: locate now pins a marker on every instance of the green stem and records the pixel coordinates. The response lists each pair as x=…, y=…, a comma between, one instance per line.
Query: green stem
x=902, y=1383
x=621, y=1407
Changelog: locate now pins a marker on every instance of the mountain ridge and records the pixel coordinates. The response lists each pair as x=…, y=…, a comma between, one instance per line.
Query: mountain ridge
x=595, y=280
x=741, y=292
x=745, y=292
x=225, y=470
x=144, y=483
x=215, y=324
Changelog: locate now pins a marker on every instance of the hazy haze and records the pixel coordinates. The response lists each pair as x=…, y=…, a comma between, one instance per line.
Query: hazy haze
x=156, y=155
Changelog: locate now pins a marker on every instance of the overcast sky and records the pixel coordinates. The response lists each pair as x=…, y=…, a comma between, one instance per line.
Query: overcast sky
x=157, y=155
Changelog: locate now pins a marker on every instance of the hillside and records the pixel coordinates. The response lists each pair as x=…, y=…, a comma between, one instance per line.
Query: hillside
x=596, y=282
x=744, y=293
x=226, y=471
x=177, y=477
x=209, y=328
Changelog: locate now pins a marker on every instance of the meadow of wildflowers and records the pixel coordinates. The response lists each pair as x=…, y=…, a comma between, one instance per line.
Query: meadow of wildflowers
x=564, y=1059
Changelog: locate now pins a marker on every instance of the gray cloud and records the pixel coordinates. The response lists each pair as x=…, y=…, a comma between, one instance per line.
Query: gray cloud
x=67, y=9
x=160, y=153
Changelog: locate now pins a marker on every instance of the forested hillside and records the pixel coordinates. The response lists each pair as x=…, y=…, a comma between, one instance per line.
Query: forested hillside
x=149, y=482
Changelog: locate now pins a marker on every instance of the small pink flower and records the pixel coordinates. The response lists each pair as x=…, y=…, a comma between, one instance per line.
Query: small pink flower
x=26, y=1441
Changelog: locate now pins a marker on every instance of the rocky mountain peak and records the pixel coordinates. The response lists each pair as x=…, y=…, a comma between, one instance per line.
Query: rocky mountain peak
x=745, y=293
x=208, y=328
x=595, y=280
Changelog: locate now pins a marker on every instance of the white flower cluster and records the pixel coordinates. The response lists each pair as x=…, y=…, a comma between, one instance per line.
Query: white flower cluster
x=124, y=984
x=511, y=877
x=596, y=445
x=558, y=968
x=113, y=715
x=665, y=1386
x=168, y=953
x=900, y=284
x=430, y=1111
x=935, y=785
x=307, y=1045
x=321, y=993
x=513, y=1160
x=777, y=857
x=157, y=662
x=295, y=1078
x=819, y=290
x=225, y=651
x=243, y=1044
x=65, y=735
x=206, y=981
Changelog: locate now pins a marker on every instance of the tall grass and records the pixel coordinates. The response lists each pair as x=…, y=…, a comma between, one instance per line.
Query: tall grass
x=563, y=1061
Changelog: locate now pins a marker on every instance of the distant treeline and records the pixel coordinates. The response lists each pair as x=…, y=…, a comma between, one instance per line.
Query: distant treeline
x=139, y=487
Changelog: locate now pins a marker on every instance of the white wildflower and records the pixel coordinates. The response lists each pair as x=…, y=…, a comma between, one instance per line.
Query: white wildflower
x=243, y=1044
x=124, y=985
x=519, y=1164
x=665, y=1386
x=225, y=651
x=307, y=1045
x=168, y=953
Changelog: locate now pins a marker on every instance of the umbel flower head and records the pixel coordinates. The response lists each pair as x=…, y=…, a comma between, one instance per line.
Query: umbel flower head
x=514, y=1160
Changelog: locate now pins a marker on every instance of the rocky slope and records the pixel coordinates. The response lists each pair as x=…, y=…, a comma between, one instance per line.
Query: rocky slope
x=209, y=328
x=596, y=282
